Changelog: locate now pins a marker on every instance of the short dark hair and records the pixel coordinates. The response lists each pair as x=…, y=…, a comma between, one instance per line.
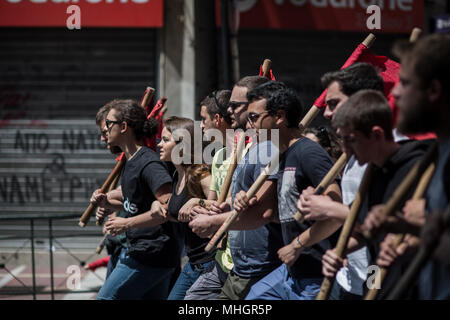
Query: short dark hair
x=251, y=82
x=279, y=97
x=356, y=77
x=220, y=106
x=364, y=110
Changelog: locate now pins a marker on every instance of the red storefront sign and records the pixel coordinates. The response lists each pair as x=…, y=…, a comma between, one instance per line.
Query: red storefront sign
x=341, y=15
x=93, y=13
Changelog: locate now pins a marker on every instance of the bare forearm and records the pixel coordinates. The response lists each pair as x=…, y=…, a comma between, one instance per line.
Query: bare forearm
x=145, y=220
x=319, y=231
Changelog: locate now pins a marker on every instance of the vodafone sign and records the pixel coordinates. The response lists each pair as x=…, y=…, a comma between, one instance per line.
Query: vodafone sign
x=94, y=13
x=342, y=15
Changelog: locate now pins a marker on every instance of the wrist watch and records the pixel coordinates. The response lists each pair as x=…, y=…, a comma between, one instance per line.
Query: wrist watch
x=202, y=203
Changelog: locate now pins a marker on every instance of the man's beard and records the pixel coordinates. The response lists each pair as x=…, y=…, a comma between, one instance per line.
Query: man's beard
x=417, y=119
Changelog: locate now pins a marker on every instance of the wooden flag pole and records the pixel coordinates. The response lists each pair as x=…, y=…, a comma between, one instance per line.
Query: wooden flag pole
x=407, y=185
x=315, y=110
x=420, y=190
x=250, y=193
x=266, y=67
x=347, y=229
x=116, y=172
x=117, y=169
x=327, y=180
x=423, y=255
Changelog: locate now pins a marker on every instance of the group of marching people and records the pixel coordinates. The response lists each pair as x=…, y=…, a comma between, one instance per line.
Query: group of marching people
x=169, y=206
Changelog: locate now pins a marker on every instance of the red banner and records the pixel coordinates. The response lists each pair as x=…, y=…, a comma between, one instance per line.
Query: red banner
x=92, y=13
x=396, y=16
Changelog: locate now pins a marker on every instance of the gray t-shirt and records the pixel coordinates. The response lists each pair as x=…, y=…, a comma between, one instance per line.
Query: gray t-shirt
x=254, y=252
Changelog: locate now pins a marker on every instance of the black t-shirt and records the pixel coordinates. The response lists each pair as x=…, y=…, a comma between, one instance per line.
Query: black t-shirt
x=384, y=183
x=142, y=176
x=195, y=246
x=305, y=163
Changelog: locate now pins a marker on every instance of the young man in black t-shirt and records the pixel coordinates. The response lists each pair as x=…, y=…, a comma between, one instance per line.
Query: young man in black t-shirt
x=303, y=164
x=365, y=124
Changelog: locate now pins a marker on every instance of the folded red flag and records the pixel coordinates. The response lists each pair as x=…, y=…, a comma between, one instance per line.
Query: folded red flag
x=102, y=262
x=157, y=114
x=388, y=70
x=270, y=76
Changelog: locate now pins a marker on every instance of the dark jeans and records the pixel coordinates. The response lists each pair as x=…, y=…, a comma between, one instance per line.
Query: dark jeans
x=338, y=293
x=131, y=280
x=188, y=276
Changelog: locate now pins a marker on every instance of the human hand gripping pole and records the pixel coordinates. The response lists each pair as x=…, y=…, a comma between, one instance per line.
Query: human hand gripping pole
x=267, y=171
x=327, y=180
x=347, y=229
x=418, y=194
x=117, y=169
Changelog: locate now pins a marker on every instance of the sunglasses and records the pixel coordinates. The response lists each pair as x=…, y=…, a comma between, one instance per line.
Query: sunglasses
x=110, y=123
x=253, y=117
x=235, y=104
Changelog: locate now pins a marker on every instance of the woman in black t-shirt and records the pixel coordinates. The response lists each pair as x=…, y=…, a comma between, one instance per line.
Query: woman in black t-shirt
x=153, y=249
x=190, y=180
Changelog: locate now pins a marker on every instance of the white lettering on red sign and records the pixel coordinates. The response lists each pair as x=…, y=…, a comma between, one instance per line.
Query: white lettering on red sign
x=77, y=1
x=402, y=5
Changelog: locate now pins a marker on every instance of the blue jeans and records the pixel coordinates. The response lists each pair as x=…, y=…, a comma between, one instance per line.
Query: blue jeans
x=131, y=280
x=279, y=285
x=188, y=276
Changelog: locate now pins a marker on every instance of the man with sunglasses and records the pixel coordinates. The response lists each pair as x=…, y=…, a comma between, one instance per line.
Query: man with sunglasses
x=304, y=163
x=237, y=107
x=113, y=244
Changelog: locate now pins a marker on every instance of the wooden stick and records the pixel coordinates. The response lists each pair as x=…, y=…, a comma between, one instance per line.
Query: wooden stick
x=116, y=172
x=420, y=190
x=101, y=245
x=113, y=185
x=148, y=95
x=415, y=34
x=315, y=110
x=266, y=67
x=407, y=185
x=347, y=229
x=227, y=183
x=423, y=255
x=250, y=193
x=327, y=180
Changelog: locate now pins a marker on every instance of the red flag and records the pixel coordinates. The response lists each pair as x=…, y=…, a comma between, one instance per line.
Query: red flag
x=157, y=114
x=388, y=70
x=270, y=75
x=102, y=262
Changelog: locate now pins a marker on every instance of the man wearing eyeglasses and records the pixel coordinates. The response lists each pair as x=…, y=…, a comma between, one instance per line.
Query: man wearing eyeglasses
x=113, y=244
x=303, y=163
x=237, y=107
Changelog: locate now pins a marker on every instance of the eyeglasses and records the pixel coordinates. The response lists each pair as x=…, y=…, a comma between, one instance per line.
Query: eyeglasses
x=253, y=117
x=109, y=123
x=235, y=104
